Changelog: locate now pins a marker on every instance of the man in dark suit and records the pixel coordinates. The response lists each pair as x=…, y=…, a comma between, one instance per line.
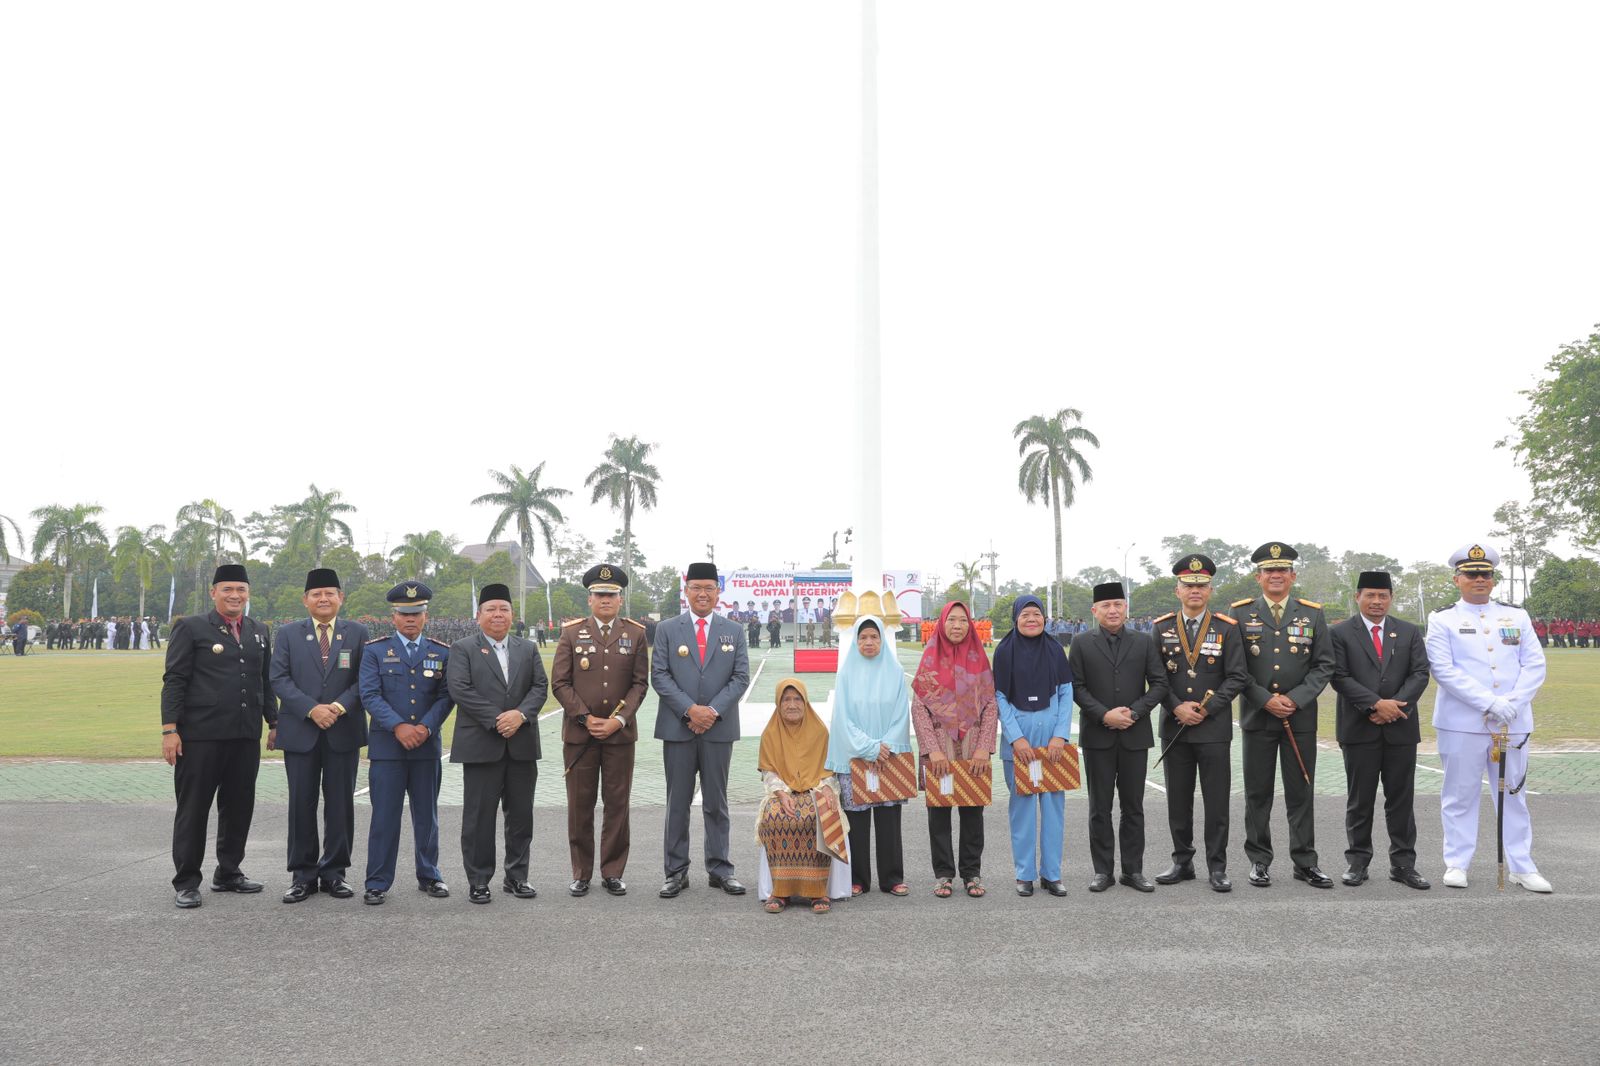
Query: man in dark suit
x=1118, y=681
x=1205, y=671
x=403, y=689
x=701, y=669
x=498, y=685
x=316, y=674
x=600, y=676
x=215, y=694
x=1290, y=661
x=1380, y=671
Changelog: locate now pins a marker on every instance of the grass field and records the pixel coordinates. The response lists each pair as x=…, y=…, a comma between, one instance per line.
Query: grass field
x=104, y=705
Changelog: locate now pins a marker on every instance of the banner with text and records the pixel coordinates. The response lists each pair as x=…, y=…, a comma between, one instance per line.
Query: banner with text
x=793, y=593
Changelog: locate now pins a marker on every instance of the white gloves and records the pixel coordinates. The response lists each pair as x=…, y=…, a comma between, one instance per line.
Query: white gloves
x=1502, y=712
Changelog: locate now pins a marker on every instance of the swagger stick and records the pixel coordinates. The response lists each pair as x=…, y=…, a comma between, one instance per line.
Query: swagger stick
x=1296, y=746
x=1498, y=754
x=1181, y=728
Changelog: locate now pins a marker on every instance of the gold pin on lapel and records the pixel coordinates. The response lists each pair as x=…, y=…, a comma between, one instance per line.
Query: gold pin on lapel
x=216, y=649
x=683, y=651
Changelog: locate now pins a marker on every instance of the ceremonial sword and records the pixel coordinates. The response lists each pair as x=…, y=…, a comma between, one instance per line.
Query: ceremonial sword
x=1181, y=728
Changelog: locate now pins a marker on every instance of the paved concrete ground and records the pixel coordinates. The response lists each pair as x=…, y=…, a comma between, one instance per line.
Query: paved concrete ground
x=100, y=966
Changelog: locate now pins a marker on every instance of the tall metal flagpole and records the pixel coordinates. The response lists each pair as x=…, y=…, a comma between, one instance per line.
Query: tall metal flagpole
x=869, y=371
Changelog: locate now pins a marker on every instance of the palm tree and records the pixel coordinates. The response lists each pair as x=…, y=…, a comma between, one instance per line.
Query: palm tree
x=207, y=520
x=522, y=499
x=626, y=479
x=420, y=551
x=142, y=550
x=971, y=573
x=65, y=532
x=5, y=549
x=314, y=517
x=1048, y=447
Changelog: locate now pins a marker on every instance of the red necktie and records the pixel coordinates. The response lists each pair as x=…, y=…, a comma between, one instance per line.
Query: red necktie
x=1377, y=641
x=700, y=638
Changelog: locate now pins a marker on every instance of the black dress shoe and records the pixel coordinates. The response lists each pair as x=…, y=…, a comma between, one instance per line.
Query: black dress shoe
x=673, y=885
x=338, y=888
x=1259, y=875
x=479, y=894
x=1024, y=888
x=1313, y=877
x=300, y=890
x=520, y=889
x=238, y=883
x=1055, y=888
x=1220, y=882
x=1175, y=873
x=1100, y=883
x=1410, y=878
x=730, y=885
x=614, y=886
x=1138, y=881
x=1354, y=876
x=187, y=899
x=436, y=889
x=579, y=887
x=373, y=897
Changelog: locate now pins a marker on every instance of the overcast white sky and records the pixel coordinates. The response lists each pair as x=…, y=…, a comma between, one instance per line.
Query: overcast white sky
x=1291, y=261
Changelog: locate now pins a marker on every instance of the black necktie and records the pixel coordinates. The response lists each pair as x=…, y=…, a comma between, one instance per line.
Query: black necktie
x=1193, y=626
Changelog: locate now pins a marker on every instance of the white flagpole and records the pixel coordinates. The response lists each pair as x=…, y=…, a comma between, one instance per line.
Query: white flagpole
x=474, y=597
x=94, y=608
x=172, y=596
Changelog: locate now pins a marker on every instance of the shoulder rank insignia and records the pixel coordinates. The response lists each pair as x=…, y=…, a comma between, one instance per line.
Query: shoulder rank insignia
x=377, y=640
x=634, y=622
x=575, y=621
x=436, y=640
x=1226, y=618
x=1446, y=607
x=1313, y=604
x=1243, y=602
x=1164, y=617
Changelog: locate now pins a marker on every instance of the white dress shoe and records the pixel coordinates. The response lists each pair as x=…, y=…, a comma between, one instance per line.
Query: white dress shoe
x=1454, y=878
x=1533, y=882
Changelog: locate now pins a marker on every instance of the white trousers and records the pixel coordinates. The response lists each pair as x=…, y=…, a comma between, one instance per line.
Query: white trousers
x=1466, y=764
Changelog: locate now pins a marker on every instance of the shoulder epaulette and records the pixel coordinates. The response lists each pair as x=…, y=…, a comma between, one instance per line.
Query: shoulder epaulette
x=441, y=643
x=1241, y=603
x=1226, y=618
x=1164, y=617
x=377, y=640
x=634, y=622
x=1446, y=607
x=1313, y=604
x=575, y=621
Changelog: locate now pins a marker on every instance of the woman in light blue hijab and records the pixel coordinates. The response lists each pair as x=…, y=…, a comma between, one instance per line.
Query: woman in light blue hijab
x=871, y=720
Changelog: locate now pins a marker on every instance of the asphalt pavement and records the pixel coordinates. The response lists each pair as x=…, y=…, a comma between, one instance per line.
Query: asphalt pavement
x=101, y=967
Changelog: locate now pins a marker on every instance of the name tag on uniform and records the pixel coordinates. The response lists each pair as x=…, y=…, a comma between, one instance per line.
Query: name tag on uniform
x=344, y=660
x=1466, y=629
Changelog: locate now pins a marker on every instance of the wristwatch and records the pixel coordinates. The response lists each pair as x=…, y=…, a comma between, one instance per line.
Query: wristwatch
x=169, y=732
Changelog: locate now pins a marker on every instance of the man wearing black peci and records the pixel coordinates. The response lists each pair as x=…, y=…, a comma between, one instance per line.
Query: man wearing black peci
x=1201, y=653
x=1380, y=671
x=1119, y=682
x=214, y=696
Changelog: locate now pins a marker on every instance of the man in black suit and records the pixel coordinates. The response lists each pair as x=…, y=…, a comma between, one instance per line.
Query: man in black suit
x=215, y=694
x=1118, y=680
x=316, y=675
x=1205, y=670
x=498, y=684
x=1380, y=670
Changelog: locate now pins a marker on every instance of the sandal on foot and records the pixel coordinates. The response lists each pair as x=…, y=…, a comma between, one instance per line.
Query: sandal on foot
x=902, y=889
x=856, y=890
x=941, y=888
x=820, y=906
x=775, y=905
x=975, y=888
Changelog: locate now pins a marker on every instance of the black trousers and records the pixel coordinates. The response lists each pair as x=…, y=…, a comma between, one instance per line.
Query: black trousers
x=1211, y=762
x=944, y=859
x=1265, y=751
x=485, y=788
x=1396, y=766
x=330, y=775
x=220, y=770
x=891, y=860
x=1121, y=771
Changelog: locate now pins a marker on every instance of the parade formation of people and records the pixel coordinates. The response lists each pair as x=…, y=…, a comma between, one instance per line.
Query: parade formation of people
x=834, y=792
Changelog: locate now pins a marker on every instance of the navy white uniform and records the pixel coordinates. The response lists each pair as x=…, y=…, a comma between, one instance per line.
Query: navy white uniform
x=1488, y=666
x=403, y=683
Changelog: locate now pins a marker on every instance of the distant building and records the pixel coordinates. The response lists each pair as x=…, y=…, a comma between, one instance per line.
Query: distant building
x=478, y=553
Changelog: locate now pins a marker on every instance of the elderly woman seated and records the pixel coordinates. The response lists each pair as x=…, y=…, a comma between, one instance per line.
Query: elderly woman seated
x=800, y=825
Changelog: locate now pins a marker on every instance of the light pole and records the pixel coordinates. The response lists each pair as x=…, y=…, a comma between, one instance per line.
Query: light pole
x=1125, y=553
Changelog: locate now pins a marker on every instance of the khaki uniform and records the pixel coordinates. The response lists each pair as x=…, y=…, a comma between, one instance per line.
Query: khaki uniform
x=604, y=676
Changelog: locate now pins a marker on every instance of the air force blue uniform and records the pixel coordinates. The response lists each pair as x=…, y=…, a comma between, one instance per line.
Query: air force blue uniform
x=404, y=685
